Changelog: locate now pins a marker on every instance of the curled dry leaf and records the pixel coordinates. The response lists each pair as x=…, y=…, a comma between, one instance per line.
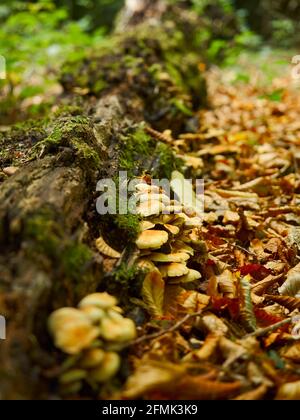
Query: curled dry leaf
x=170, y=381
x=288, y=302
x=247, y=312
x=260, y=287
x=212, y=324
x=291, y=287
x=227, y=282
x=289, y=391
x=209, y=347
x=105, y=249
x=255, y=394
x=153, y=293
x=152, y=376
x=292, y=353
x=193, y=301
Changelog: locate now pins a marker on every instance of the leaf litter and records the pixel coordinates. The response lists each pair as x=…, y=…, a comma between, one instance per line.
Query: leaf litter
x=221, y=289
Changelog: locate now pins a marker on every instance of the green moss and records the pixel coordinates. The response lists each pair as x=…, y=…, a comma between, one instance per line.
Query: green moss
x=70, y=261
x=99, y=86
x=74, y=258
x=127, y=281
x=135, y=147
x=75, y=133
x=167, y=162
x=68, y=110
x=42, y=230
x=129, y=225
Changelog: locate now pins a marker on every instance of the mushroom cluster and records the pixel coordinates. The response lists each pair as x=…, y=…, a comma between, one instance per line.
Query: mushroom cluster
x=91, y=334
x=169, y=237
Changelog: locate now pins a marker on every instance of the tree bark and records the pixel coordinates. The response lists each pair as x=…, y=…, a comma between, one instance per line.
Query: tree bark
x=47, y=209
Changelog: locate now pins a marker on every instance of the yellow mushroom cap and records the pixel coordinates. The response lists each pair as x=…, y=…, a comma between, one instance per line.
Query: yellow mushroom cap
x=191, y=276
x=108, y=368
x=94, y=313
x=100, y=300
x=178, y=257
x=92, y=358
x=150, y=208
x=146, y=197
x=72, y=330
x=174, y=270
x=172, y=229
x=152, y=239
x=146, y=225
x=143, y=188
x=118, y=330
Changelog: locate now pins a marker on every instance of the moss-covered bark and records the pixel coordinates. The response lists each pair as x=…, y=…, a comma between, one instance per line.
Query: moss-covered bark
x=48, y=220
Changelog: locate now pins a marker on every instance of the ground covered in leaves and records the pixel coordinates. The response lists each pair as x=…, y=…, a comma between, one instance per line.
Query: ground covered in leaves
x=218, y=315
x=244, y=341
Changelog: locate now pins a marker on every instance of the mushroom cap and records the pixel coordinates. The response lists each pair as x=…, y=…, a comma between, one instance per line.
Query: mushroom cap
x=193, y=222
x=100, y=300
x=191, y=276
x=92, y=358
x=179, y=257
x=118, y=330
x=172, y=229
x=150, y=208
x=143, y=188
x=72, y=330
x=94, y=313
x=152, y=239
x=150, y=196
x=173, y=270
x=146, y=225
x=108, y=368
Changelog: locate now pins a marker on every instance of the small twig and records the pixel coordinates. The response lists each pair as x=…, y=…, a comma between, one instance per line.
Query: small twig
x=158, y=135
x=263, y=331
x=168, y=330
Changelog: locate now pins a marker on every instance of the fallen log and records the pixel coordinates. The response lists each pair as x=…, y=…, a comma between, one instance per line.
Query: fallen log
x=48, y=221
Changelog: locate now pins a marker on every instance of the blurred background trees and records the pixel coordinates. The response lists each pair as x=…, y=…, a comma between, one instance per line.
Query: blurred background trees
x=37, y=36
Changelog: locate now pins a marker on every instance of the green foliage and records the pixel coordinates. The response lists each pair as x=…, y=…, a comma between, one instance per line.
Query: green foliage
x=35, y=39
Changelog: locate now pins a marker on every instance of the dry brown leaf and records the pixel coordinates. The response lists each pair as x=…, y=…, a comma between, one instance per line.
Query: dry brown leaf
x=260, y=287
x=209, y=347
x=193, y=301
x=227, y=284
x=153, y=293
x=152, y=376
x=255, y=394
x=292, y=353
x=289, y=391
x=288, y=302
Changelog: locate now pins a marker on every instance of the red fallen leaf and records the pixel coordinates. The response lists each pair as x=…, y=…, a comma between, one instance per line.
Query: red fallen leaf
x=257, y=271
x=265, y=319
x=232, y=305
x=210, y=263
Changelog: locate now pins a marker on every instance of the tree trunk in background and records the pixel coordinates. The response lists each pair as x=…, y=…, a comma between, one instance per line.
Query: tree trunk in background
x=47, y=209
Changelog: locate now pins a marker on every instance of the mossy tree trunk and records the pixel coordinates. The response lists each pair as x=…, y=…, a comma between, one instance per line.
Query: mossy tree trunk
x=47, y=208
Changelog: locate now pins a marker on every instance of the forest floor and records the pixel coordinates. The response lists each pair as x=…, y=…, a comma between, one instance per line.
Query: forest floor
x=218, y=316
x=244, y=343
